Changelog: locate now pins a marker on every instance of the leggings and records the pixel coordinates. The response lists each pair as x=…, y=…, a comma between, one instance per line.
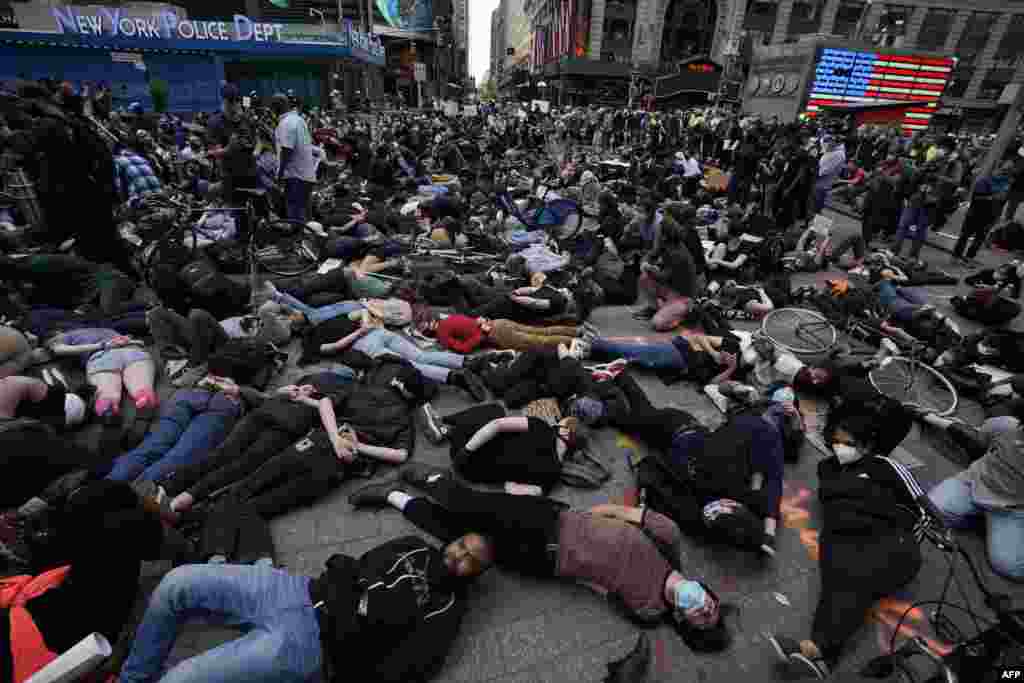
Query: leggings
x=522, y=526
x=300, y=475
x=657, y=426
x=253, y=441
x=856, y=572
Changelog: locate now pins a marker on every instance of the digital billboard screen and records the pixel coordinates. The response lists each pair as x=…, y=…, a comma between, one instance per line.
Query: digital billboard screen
x=854, y=77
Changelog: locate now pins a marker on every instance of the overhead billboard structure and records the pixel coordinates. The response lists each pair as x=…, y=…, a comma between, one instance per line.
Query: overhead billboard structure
x=851, y=78
x=404, y=18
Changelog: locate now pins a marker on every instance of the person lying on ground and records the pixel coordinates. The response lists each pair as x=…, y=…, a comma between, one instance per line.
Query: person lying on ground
x=199, y=335
x=489, y=446
x=363, y=617
x=701, y=358
x=630, y=554
x=113, y=364
x=755, y=442
x=372, y=339
x=463, y=334
x=872, y=528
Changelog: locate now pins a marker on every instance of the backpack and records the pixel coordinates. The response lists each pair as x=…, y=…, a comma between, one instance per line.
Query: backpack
x=211, y=290
x=247, y=361
x=769, y=255
x=438, y=287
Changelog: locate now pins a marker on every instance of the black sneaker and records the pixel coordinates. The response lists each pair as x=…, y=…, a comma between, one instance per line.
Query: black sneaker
x=471, y=382
x=436, y=429
x=788, y=652
x=644, y=313
x=419, y=475
x=374, y=495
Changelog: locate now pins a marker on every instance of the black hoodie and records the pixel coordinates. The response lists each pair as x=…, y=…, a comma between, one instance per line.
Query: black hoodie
x=391, y=616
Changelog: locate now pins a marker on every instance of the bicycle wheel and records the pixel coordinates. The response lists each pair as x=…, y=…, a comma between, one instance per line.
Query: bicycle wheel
x=799, y=330
x=287, y=248
x=916, y=384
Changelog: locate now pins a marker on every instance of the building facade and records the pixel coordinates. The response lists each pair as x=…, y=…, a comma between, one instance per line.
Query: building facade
x=583, y=45
x=193, y=46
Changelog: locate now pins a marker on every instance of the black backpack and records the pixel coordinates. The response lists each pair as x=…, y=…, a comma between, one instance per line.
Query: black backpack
x=247, y=361
x=212, y=290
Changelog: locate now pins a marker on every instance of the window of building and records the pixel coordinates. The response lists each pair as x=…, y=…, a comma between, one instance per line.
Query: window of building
x=848, y=17
x=994, y=82
x=892, y=26
x=958, y=84
x=935, y=29
x=1011, y=48
x=760, y=17
x=975, y=36
x=806, y=17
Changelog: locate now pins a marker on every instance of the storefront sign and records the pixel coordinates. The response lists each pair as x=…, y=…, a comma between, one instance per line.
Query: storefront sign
x=118, y=23
x=115, y=22
x=7, y=18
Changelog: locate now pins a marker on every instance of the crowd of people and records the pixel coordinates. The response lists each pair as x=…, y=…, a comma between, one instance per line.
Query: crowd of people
x=147, y=419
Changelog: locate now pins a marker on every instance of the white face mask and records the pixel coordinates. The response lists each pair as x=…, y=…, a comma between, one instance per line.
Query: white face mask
x=846, y=453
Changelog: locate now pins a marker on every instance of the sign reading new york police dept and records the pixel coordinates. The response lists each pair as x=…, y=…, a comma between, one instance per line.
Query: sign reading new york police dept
x=114, y=22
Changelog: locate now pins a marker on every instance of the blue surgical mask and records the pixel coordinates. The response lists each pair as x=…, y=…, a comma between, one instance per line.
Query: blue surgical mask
x=784, y=395
x=690, y=595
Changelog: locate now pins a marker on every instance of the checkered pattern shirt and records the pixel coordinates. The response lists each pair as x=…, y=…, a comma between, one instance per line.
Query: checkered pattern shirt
x=133, y=176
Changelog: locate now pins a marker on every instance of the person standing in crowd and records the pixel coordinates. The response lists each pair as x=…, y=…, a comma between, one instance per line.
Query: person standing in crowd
x=830, y=164
x=986, y=206
x=295, y=155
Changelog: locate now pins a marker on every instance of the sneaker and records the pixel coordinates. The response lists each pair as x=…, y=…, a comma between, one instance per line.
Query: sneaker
x=374, y=495
x=768, y=545
x=644, y=313
x=788, y=652
x=436, y=429
x=716, y=396
x=420, y=475
x=471, y=382
x=579, y=349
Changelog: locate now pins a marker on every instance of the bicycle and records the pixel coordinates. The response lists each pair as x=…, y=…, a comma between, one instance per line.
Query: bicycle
x=904, y=378
x=972, y=660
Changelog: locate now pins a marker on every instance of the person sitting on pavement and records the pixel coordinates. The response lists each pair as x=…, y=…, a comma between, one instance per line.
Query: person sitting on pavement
x=869, y=543
x=631, y=554
x=991, y=490
x=668, y=289
x=392, y=615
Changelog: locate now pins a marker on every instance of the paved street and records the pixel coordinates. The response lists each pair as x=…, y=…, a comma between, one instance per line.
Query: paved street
x=521, y=630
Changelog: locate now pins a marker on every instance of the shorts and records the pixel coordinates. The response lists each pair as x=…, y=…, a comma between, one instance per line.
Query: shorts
x=115, y=360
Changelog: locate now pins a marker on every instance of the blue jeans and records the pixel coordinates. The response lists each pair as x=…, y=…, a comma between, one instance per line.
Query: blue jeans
x=1005, y=528
x=191, y=425
x=433, y=365
x=656, y=356
x=280, y=640
x=296, y=199
x=315, y=315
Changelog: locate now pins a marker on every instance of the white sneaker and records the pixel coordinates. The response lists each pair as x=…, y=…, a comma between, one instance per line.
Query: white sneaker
x=716, y=396
x=580, y=350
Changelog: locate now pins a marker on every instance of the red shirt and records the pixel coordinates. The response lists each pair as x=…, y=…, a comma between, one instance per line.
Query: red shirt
x=460, y=333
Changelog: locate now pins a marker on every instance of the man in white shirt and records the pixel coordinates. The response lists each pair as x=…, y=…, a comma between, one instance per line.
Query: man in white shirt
x=296, y=156
x=833, y=158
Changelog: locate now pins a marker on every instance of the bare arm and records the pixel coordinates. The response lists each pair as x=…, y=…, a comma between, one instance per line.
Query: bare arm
x=730, y=368
x=345, y=342
x=731, y=265
x=80, y=350
x=392, y=455
x=495, y=427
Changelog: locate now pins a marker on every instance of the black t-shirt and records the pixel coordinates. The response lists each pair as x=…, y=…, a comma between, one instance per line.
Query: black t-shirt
x=528, y=457
x=682, y=274
x=299, y=418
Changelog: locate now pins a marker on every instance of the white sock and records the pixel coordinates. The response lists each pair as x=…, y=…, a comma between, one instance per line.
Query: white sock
x=399, y=499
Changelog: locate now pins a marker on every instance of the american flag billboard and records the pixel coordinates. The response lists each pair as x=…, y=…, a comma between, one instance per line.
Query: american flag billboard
x=856, y=77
